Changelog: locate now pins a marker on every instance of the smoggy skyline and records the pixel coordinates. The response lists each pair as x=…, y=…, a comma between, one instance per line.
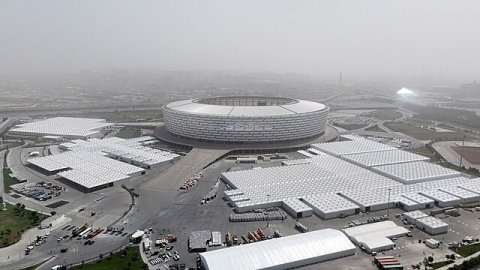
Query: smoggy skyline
x=360, y=38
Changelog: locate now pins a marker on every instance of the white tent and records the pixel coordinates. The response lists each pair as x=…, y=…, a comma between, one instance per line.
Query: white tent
x=281, y=253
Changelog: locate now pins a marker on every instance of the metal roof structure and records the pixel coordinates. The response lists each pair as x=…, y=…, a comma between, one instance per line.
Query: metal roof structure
x=333, y=185
x=62, y=126
x=431, y=222
x=131, y=150
x=356, y=145
x=281, y=253
x=374, y=236
x=414, y=172
x=285, y=106
x=384, y=158
x=415, y=214
x=96, y=162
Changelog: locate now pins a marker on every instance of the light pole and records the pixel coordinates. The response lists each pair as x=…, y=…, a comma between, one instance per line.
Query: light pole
x=268, y=214
x=388, y=202
x=461, y=157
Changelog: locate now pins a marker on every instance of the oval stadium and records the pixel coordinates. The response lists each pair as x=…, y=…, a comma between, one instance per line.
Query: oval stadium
x=246, y=119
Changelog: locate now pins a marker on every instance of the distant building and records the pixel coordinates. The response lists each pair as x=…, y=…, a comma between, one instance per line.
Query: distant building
x=470, y=90
x=66, y=127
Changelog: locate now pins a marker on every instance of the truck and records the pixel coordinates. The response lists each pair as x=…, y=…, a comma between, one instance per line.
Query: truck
x=300, y=227
x=84, y=234
x=229, y=238
x=79, y=229
x=171, y=237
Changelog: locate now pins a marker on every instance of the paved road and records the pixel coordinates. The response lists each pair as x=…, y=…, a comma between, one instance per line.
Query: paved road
x=445, y=150
x=186, y=167
x=4, y=126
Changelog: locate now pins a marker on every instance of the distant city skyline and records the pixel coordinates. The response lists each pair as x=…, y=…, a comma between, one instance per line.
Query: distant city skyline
x=364, y=39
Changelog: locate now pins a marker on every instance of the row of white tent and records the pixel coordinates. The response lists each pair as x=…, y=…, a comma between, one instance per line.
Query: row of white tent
x=342, y=178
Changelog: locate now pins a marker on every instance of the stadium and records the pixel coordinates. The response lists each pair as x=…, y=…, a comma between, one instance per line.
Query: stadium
x=246, y=120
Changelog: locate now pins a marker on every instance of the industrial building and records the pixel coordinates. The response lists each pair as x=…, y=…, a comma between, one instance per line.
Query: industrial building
x=375, y=236
x=245, y=119
x=345, y=177
x=62, y=127
x=411, y=217
x=281, y=253
x=94, y=164
x=431, y=225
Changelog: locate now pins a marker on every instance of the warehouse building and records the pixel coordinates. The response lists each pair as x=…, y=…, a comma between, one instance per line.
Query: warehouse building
x=431, y=225
x=375, y=236
x=416, y=172
x=62, y=127
x=94, y=164
x=281, y=253
x=346, y=178
x=411, y=217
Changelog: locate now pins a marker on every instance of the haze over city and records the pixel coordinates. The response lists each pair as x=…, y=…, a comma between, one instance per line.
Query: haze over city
x=239, y=135
x=362, y=39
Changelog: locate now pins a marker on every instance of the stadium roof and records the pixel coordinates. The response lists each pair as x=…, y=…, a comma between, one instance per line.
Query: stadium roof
x=281, y=253
x=294, y=107
x=63, y=126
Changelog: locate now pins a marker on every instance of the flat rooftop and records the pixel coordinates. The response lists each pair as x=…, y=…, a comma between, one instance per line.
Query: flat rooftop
x=62, y=126
x=94, y=162
x=331, y=183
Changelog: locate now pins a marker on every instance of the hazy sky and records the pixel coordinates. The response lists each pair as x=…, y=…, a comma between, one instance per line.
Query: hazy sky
x=361, y=38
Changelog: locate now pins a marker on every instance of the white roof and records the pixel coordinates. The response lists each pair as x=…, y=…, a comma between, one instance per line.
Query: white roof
x=414, y=172
x=323, y=245
x=63, y=126
x=87, y=162
x=431, y=222
x=131, y=149
x=384, y=158
x=296, y=205
x=460, y=192
x=415, y=214
x=329, y=203
x=441, y=196
x=297, y=106
x=355, y=146
x=373, y=234
x=324, y=175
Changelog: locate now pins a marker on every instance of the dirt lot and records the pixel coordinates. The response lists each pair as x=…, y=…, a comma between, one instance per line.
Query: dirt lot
x=472, y=154
x=423, y=133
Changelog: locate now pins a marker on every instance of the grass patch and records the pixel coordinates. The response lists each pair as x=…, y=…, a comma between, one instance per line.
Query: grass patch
x=128, y=258
x=425, y=151
x=15, y=221
x=421, y=133
x=406, y=127
x=127, y=133
x=374, y=128
x=437, y=265
x=8, y=180
x=386, y=115
x=466, y=251
x=348, y=126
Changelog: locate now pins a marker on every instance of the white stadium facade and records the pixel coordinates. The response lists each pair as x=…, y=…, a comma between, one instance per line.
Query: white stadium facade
x=245, y=119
